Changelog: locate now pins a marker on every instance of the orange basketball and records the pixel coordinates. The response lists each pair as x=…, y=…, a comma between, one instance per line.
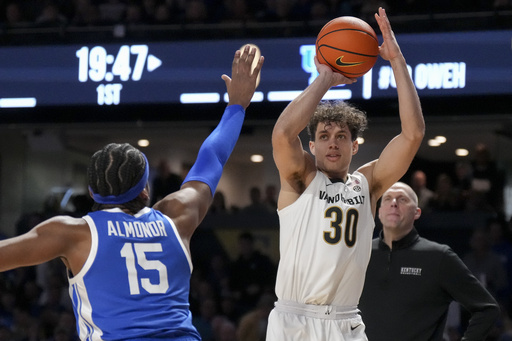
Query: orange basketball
x=348, y=45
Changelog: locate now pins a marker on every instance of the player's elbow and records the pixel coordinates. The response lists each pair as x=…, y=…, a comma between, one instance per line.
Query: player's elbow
x=282, y=134
x=279, y=136
x=419, y=131
x=416, y=134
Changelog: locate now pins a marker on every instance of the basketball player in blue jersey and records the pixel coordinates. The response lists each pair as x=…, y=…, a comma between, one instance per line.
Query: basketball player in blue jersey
x=129, y=265
x=327, y=214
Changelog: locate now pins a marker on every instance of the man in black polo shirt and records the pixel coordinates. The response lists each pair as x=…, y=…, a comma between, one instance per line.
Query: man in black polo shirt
x=410, y=281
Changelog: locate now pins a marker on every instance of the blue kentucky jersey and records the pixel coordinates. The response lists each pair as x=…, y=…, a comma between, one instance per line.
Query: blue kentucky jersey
x=135, y=283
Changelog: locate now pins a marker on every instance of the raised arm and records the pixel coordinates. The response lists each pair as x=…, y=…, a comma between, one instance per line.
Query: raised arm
x=188, y=206
x=397, y=156
x=292, y=161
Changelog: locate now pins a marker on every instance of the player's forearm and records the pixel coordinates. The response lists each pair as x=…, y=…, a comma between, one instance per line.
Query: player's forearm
x=411, y=115
x=217, y=148
x=34, y=247
x=8, y=254
x=295, y=117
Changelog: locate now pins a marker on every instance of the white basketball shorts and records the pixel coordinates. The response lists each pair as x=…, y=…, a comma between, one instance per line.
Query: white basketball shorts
x=291, y=321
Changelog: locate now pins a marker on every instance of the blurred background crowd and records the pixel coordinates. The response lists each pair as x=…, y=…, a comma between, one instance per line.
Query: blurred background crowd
x=80, y=13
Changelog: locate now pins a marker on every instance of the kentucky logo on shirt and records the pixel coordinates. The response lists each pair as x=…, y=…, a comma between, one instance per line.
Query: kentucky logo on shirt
x=410, y=271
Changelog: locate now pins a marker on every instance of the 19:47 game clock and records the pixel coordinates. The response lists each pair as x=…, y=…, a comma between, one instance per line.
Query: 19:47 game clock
x=96, y=65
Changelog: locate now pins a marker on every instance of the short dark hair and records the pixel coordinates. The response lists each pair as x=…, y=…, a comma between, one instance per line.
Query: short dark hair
x=340, y=113
x=115, y=169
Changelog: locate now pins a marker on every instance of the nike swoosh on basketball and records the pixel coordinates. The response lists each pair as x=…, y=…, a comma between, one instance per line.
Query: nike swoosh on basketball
x=340, y=62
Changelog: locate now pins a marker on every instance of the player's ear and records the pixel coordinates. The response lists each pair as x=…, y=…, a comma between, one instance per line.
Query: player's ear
x=144, y=195
x=312, y=147
x=355, y=147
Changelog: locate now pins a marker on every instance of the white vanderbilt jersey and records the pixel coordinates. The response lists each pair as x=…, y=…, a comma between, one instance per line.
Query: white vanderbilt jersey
x=325, y=242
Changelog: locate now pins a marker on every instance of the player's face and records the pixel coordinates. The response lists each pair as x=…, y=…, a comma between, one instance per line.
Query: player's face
x=333, y=149
x=398, y=210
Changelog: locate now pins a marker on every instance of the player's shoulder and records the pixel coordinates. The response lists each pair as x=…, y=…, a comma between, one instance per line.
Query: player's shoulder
x=367, y=168
x=63, y=226
x=359, y=176
x=65, y=220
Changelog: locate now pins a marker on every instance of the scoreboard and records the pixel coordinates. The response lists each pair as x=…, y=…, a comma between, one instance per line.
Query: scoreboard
x=440, y=64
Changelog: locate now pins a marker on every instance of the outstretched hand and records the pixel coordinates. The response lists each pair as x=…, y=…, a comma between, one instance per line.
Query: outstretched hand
x=242, y=83
x=389, y=48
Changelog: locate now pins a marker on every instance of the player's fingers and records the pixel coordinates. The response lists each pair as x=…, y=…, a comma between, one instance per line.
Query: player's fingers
x=315, y=59
x=239, y=62
x=236, y=61
x=259, y=65
x=244, y=53
x=383, y=22
x=226, y=79
x=251, y=55
x=247, y=49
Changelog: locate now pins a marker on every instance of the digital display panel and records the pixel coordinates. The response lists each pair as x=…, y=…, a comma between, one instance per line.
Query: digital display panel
x=441, y=64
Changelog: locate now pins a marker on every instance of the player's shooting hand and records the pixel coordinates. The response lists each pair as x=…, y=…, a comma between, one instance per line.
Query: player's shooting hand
x=243, y=81
x=389, y=48
x=336, y=77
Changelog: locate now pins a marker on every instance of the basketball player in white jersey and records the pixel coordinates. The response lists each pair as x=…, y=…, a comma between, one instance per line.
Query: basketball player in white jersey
x=326, y=214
